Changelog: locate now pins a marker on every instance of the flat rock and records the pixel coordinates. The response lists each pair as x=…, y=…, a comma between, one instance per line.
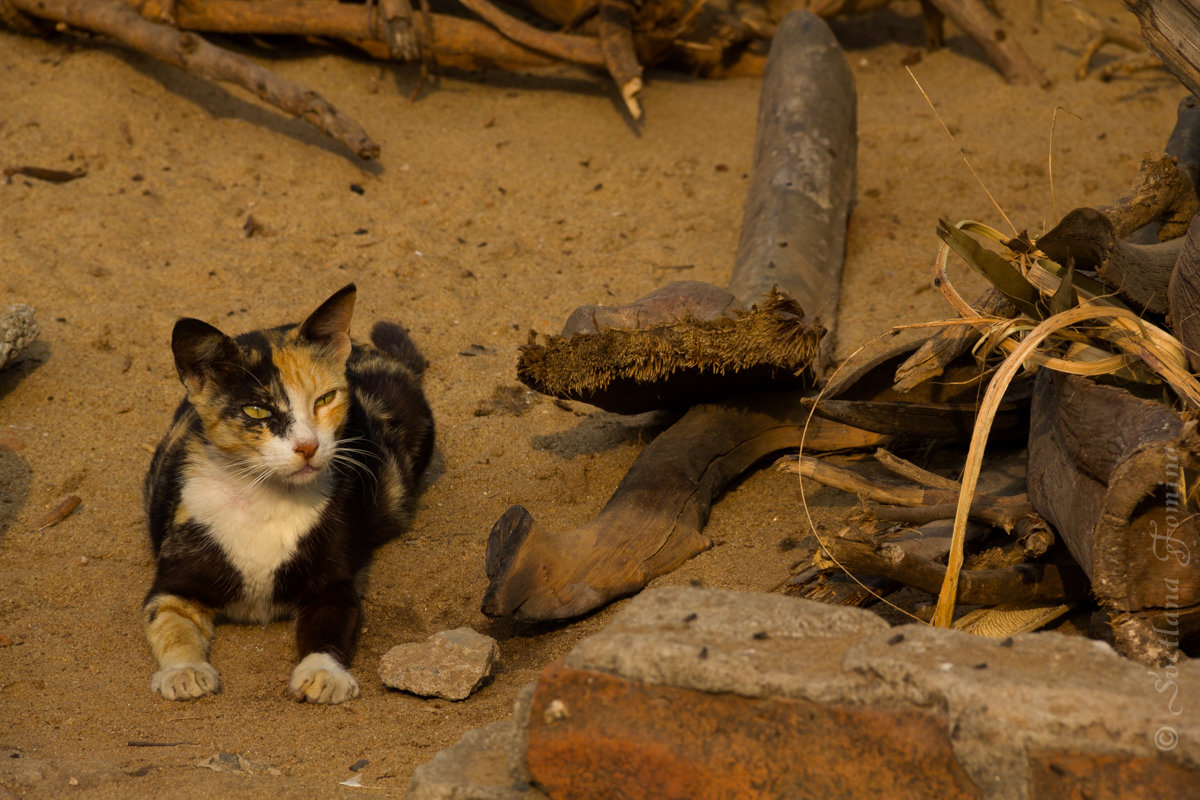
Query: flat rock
x=476, y=767
x=450, y=664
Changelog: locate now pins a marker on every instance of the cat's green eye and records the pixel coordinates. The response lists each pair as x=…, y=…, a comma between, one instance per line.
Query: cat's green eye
x=256, y=412
x=325, y=399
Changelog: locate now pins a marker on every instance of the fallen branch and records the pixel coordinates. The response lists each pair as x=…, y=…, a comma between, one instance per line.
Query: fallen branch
x=916, y=504
x=990, y=32
x=193, y=54
x=578, y=49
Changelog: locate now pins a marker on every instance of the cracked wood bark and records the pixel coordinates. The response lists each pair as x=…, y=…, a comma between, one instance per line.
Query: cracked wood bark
x=655, y=518
x=193, y=54
x=1108, y=469
x=1183, y=295
x=1171, y=28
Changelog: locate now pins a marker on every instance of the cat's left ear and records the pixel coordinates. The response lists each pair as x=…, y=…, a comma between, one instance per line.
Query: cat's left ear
x=329, y=325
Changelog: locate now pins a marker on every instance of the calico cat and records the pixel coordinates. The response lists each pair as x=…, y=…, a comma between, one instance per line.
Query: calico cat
x=295, y=453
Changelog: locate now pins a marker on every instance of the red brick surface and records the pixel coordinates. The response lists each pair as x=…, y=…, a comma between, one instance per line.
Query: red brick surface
x=1058, y=775
x=596, y=736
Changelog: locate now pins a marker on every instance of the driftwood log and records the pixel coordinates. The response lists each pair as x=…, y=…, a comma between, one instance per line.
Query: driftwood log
x=654, y=520
x=1112, y=472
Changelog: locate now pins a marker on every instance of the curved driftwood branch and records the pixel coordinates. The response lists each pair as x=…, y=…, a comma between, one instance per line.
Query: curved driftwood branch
x=1164, y=193
x=189, y=52
x=655, y=519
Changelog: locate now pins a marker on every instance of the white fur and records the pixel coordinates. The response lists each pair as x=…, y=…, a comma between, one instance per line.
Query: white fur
x=319, y=678
x=259, y=526
x=186, y=681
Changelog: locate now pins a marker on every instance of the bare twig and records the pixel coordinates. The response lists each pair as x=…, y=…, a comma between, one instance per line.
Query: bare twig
x=907, y=469
x=909, y=503
x=616, y=40
x=193, y=54
x=578, y=49
x=987, y=587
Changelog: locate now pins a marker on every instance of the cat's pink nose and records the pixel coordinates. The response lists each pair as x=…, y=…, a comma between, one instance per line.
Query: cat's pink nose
x=306, y=449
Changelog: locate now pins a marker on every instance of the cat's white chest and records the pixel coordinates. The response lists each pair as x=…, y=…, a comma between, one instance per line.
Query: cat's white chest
x=258, y=526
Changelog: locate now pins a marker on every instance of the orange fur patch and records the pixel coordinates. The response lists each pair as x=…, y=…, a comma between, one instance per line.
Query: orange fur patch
x=180, y=631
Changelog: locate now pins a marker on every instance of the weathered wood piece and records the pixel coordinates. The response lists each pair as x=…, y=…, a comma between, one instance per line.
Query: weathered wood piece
x=655, y=518
x=691, y=342
x=1183, y=295
x=616, y=40
x=1171, y=28
x=861, y=394
x=804, y=166
x=193, y=54
x=1139, y=273
x=1109, y=469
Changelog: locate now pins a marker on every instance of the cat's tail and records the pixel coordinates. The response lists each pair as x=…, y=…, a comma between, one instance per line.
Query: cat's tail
x=392, y=339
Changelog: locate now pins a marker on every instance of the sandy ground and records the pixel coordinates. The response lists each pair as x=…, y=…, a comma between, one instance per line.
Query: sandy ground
x=499, y=204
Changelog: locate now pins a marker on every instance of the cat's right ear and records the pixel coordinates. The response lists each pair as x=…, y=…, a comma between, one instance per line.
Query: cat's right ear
x=198, y=348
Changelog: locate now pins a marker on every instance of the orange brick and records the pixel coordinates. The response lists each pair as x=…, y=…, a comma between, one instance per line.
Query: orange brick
x=1059, y=775
x=596, y=736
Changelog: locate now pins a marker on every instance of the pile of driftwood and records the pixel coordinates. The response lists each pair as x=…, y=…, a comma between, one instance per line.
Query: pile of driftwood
x=622, y=37
x=1082, y=354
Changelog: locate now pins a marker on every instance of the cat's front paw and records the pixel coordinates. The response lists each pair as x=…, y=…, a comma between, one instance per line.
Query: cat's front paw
x=319, y=678
x=186, y=681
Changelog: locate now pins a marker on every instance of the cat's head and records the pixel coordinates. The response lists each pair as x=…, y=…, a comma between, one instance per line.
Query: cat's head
x=273, y=402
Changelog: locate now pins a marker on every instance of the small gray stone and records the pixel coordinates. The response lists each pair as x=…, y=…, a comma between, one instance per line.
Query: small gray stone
x=450, y=664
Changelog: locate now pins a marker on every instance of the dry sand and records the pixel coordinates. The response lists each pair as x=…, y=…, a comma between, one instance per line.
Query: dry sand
x=499, y=204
